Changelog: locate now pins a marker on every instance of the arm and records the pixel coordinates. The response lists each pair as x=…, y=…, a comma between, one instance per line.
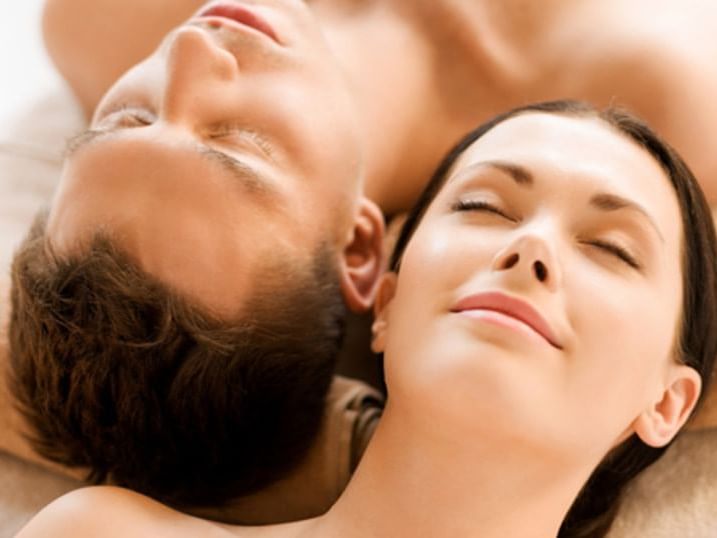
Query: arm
x=672, y=88
x=92, y=42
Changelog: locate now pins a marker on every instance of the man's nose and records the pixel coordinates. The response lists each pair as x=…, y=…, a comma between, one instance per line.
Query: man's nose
x=198, y=72
x=531, y=258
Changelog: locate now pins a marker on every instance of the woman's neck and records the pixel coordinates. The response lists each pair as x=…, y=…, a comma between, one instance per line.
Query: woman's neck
x=421, y=483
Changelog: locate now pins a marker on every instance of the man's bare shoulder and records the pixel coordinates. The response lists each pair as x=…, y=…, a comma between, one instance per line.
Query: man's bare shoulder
x=111, y=511
x=659, y=67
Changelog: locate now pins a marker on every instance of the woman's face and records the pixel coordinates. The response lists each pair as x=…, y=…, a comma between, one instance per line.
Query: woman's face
x=541, y=293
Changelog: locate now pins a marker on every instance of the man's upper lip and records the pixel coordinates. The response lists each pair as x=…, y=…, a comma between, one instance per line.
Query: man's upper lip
x=241, y=14
x=511, y=306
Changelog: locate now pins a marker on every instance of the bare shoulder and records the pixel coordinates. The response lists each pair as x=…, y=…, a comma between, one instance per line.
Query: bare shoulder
x=620, y=57
x=111, y=511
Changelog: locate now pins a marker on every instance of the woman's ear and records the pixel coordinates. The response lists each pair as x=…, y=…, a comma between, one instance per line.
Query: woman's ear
x=361, y=261
x=659, y=423
x=386, y=291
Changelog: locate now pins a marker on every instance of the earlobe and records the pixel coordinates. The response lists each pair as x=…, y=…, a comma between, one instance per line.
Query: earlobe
x=657, y=425
x=362, y=258
x=386, y=291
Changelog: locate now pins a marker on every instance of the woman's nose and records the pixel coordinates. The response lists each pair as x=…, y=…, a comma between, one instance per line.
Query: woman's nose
x=198, y=73
x=530, y=257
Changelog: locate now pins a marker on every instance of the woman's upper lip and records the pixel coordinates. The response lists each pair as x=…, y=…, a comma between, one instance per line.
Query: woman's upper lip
x=511, y=306
x=241, y=14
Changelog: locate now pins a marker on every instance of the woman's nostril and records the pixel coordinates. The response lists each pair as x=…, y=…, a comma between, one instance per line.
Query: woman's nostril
x=511, y=261
x=541, y=272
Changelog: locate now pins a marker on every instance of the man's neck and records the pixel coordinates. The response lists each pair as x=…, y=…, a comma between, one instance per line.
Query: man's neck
x=425, y=73
x=412, y=484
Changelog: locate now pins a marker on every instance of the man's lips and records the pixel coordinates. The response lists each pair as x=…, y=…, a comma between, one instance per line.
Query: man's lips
x=509, y=306
x=242, y=15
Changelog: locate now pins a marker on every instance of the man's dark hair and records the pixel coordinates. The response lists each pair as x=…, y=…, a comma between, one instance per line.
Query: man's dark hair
x=117, y=373
x=593, y=511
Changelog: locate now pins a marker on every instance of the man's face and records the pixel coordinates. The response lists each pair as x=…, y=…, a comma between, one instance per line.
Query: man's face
x=233, y=144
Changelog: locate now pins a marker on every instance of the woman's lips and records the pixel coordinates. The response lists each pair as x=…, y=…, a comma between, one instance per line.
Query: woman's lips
x=242, y=15
x=509, y=306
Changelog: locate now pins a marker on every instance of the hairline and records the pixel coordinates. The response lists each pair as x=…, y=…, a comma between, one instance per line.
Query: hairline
x=269, y=278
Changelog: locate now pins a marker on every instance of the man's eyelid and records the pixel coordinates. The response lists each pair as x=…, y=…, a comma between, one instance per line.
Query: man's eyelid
x=227, y=129
x=123, y=110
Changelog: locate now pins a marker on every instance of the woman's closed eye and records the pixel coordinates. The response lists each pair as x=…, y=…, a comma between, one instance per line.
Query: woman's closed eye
x=615, y=250
x=473, y=204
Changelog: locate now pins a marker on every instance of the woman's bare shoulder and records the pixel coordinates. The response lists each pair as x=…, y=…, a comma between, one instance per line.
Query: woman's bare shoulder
x=111, y=511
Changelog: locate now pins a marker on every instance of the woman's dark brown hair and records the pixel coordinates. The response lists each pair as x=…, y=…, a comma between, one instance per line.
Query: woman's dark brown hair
x=593, y=511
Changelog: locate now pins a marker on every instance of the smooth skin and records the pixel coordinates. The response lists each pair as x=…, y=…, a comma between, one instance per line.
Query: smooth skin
x=423, y=73
x=487, y=420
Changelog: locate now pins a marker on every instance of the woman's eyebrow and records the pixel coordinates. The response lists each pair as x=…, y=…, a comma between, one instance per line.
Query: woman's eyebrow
x=242, y=172
x=612, y=202
x=519, y=174
x=602, y=201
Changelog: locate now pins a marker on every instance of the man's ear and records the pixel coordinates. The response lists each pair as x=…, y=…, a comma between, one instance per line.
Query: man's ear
x=661, y=421
x=362, y=258
x=386, y=291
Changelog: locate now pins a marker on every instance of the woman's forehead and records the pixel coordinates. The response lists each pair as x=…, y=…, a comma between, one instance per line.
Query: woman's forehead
x=580, y=157
x=554, y=147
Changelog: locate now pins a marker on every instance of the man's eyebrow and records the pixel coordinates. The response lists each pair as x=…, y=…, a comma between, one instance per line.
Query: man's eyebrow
x=521, y=175
x=613, y=202
x=243, y=173
x=84, y=139
x=249, y=178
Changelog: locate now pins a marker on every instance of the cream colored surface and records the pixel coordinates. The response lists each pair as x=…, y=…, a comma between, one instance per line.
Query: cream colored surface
x=676, y=497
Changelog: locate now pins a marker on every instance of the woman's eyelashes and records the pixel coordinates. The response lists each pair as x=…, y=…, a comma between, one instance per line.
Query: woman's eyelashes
x=609, y=247
x=616, y=250
x=472, y=204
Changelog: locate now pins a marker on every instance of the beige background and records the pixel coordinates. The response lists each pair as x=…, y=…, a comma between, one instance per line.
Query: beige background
x=23, y=62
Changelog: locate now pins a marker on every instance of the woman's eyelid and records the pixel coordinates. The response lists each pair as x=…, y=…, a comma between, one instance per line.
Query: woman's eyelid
x=624, y=236
x=483, y=200
x=617, y=249
x=488, y=200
